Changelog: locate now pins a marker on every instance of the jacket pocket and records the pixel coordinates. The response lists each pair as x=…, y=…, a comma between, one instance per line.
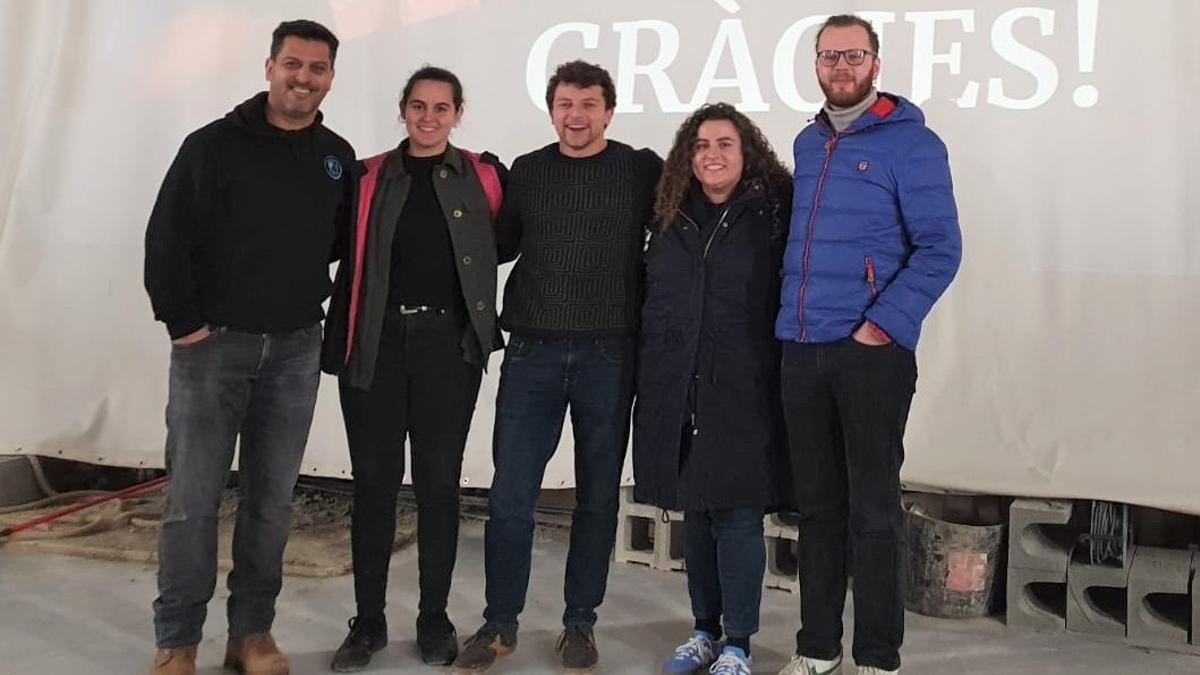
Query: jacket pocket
x=870, y=269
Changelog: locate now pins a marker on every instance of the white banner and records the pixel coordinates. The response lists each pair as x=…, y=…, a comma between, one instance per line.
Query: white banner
x=1062, y=362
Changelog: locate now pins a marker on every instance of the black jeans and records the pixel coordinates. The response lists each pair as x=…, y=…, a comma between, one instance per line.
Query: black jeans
x=846, y=405
x=539, y=381
x=424, y=390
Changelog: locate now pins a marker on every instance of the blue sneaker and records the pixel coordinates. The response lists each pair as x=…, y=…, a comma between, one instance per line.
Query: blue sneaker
x=693, y=656
x=733, y=661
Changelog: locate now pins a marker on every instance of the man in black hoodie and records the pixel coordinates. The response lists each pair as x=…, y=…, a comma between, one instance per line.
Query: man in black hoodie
x=237, y=266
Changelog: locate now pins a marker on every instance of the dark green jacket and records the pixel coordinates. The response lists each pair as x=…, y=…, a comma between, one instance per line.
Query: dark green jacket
x=472, y=236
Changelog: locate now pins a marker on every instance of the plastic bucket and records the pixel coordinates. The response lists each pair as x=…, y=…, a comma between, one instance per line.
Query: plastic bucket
x=953, y=567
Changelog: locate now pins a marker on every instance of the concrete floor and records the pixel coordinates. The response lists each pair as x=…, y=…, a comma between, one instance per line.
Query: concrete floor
x=61, y=616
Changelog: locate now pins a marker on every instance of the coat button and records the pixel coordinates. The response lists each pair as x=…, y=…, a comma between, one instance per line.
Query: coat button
x=443, y=173
x=458, y=213
x=466, y=260
x=480, y=306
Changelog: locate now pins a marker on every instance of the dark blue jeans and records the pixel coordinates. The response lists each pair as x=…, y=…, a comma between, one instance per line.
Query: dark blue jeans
x=846, y=406
x=539, y=381
x=725, y=556
x=263, y=389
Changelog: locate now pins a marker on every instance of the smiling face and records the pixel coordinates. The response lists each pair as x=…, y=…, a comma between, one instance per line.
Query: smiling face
x=580, y=117
x=846, y=85
x=717, y=159
x=429, y=116
x=300, y=75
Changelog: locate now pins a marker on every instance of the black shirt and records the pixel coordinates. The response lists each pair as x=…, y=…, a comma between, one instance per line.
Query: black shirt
x=423, y=266
x=578, y=225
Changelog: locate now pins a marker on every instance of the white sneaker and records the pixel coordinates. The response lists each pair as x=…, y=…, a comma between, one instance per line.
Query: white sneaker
x=733, y=661
x=802, y=665
x=871, y=670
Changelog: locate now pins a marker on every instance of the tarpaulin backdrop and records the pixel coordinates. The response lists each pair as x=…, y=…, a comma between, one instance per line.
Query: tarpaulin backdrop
x=1062, y=362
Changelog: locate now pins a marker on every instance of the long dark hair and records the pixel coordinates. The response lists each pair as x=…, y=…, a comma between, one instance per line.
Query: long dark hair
x=759, y=162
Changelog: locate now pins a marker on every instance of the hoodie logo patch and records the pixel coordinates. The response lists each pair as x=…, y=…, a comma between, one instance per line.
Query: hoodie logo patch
x=333, y=167
x=863, y=165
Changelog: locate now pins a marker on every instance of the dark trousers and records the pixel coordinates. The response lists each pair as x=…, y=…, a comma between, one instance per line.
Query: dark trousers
x=846, y=405
x=725, y=556
x=422, y=390
x=539, y=380
x=261, y=388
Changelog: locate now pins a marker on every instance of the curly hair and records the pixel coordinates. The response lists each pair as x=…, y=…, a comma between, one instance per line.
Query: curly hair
x=759, y=162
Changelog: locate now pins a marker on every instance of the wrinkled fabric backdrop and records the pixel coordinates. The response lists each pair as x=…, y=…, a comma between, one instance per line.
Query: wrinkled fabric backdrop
x=1062, y=361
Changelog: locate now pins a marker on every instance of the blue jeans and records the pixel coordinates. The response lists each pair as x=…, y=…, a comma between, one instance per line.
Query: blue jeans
x=539, y=380
x=725, y=556
x=263, y=389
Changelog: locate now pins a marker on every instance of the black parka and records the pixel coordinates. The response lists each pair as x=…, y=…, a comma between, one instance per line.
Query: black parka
x=708, y=426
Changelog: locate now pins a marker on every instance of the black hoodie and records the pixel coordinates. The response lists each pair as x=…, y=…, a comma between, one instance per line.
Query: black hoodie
x=243, y=229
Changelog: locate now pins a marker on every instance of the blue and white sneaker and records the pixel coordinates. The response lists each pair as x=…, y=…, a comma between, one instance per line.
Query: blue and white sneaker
x=693, y=656
x=733, y=661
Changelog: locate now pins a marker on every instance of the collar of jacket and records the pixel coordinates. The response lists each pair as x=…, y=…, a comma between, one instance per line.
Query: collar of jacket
x=746, y=192
x=881, y=111
x=251, y=115
x=395, y=162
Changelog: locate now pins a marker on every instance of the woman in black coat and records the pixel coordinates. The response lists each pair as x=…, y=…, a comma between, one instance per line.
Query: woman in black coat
x=707, y=435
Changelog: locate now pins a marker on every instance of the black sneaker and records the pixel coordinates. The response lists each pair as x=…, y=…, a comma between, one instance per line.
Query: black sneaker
x=482, y=649
x=577, y=649
x=437, y=639
x=366, y=637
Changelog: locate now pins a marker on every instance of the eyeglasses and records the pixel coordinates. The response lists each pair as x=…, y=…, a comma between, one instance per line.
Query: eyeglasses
x=854, y=57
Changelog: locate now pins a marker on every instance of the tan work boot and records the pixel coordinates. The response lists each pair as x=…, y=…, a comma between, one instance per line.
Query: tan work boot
x=175, y=661
x=256, y=654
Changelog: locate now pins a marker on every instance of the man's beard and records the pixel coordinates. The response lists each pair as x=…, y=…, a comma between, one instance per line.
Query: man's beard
x=847, y=99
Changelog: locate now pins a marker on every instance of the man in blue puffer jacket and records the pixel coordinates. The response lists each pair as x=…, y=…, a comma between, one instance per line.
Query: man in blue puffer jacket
x=874, y=242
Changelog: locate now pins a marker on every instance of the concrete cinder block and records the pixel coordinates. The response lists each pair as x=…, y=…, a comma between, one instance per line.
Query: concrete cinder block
x=1038, y=538
x=1160, y=611
x=1097, y=599
x=628, y=506
x=773, y=526
x=17, y=482
x=668, y=543
x=644, y=538
x=782, y=562
x=635, y=539
x=1037, y=599
x=1195, y=601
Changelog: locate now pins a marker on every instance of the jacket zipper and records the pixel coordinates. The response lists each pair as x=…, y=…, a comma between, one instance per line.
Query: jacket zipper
x=871, y=277
x=830, y=145
x=703, y=257
x=712, y=235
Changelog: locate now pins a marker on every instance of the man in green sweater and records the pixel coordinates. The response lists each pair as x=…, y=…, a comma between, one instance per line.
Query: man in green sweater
x=575, y=213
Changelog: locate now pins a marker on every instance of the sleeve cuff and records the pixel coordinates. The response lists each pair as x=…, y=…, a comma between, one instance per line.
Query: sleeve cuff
x=178, y=329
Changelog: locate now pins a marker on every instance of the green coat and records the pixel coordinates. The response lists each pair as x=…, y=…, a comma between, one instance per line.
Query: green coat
x=472, y=237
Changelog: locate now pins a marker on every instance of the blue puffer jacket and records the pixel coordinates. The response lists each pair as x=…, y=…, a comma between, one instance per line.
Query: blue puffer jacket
x=874, y=227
